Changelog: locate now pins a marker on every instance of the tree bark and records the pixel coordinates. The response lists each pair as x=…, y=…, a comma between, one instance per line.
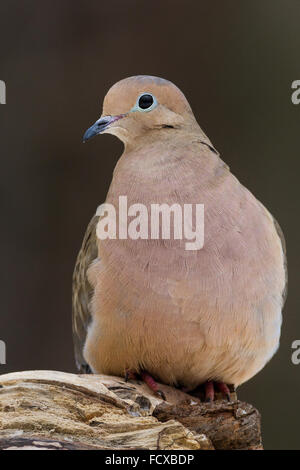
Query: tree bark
x=62, y=411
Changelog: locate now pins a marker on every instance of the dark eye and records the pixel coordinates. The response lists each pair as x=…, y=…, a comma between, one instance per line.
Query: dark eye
x=145, y=101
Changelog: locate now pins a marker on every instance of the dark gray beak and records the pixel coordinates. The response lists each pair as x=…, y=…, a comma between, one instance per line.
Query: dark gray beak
x=100, y=126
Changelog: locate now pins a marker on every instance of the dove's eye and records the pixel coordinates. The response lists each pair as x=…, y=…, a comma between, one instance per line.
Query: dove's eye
x=145, y=102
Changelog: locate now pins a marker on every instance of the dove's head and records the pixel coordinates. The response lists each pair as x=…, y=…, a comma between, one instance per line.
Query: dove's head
x=138, y=105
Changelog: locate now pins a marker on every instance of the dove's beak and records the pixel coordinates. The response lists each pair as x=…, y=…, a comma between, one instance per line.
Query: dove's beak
x=100, y=126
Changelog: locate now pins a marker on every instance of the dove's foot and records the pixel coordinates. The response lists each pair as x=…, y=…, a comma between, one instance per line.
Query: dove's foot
x=152, y=384
x=209, y=388
x=147, y=378
x=130, y=375
x=85, y=369
x=224, y=389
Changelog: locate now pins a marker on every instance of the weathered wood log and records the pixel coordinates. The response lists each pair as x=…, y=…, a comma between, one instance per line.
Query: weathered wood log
x=61, y=411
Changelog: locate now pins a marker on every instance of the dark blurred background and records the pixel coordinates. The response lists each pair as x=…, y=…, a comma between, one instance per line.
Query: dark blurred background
x=234, y=60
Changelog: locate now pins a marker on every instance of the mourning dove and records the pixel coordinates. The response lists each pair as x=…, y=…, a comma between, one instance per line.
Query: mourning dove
x=151, y=307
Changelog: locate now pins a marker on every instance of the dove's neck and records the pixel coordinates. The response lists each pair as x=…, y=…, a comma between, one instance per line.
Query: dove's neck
x=162, y=136
x=176, y=167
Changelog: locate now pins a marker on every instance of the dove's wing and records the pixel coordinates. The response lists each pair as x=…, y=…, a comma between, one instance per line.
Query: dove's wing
x=82, y=293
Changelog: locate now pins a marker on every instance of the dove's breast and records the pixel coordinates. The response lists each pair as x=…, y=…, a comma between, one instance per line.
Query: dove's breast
x=188, y=316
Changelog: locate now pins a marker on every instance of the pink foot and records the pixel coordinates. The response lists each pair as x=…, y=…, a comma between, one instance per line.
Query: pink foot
x=210, y=389
x=147, y=378
x=224, y=389
x=152, y=384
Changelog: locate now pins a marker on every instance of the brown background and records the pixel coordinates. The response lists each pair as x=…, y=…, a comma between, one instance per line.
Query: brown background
x=235, y=62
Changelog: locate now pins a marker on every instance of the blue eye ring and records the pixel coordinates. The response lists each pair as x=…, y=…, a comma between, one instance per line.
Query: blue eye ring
x=144, y=110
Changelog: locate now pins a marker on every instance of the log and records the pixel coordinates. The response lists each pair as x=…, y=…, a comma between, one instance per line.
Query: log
x=62, y=411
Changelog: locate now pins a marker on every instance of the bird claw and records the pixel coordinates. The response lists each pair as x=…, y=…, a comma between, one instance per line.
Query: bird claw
x=130, y=375
x=209, y=389
x=149, y=380
x=224, y=389
x=161, y=394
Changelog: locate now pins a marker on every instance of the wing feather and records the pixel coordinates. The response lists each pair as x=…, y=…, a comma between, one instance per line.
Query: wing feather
x=82, y=293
